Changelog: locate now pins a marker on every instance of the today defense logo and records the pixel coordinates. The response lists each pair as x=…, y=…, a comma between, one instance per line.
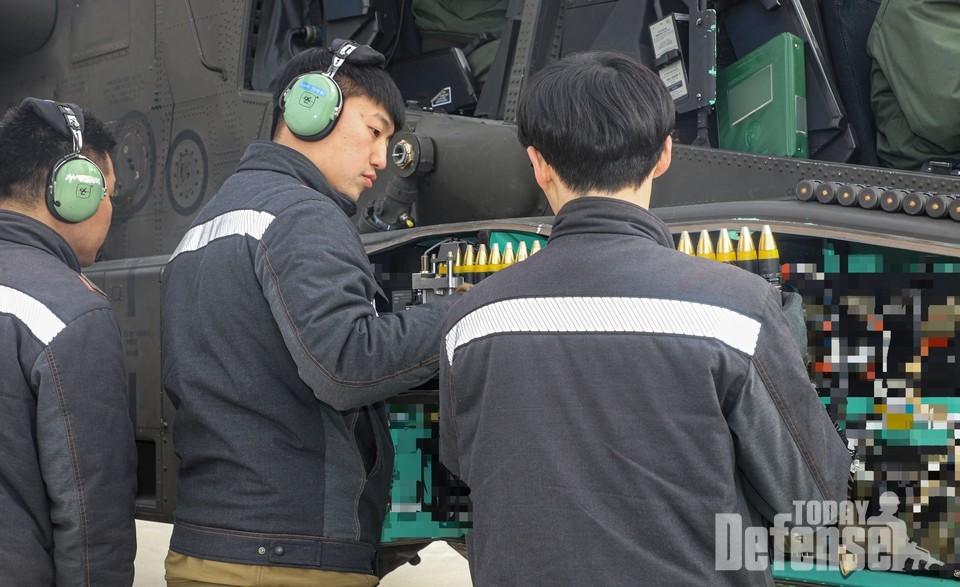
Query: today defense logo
x=879, y=543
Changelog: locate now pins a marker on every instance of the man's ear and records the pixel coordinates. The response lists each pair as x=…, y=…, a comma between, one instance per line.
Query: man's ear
x=666, y=156
x=541, y=169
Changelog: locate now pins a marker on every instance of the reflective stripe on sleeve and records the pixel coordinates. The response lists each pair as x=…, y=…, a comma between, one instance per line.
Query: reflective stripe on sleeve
x=43, y=323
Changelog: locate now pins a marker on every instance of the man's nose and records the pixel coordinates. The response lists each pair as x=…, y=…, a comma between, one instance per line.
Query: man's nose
x=379, y=158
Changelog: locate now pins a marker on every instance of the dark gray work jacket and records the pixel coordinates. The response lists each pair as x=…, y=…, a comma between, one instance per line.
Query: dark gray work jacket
x=278, y=364
x=67, y=453
x=607, y=397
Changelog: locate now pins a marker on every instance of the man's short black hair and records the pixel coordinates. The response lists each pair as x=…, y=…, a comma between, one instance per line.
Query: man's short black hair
x=354, y=80
x=30, y=148
x=599, y=119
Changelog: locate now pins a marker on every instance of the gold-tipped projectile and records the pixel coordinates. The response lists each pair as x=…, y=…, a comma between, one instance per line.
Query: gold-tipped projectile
x=768, y=257
x=482, y=254
x=522, y=253
x=508, y=256
x=725, y=252
x=469, y=261
x=705, y=246
x=495, y=258
x=481, y=270
x=686, y=245
x=536, y=247
x=746, y=252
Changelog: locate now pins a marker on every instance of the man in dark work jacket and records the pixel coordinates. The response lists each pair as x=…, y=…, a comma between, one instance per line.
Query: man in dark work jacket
x=67, y=452
x=608, y=397
x=276, y=357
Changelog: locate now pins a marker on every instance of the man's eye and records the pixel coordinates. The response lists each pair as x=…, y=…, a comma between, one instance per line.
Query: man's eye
x=376, y=132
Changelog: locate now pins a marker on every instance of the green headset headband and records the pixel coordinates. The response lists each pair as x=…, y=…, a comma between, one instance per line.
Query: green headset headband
x=312, y=102
x=76, y=185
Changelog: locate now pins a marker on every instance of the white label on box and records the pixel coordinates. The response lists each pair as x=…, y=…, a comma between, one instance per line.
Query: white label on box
x=664, y=36
x=675, y=78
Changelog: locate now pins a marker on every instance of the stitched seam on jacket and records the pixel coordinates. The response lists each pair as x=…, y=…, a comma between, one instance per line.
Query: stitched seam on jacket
x=68, y=428
x=791, y=427
x=456, y=425
x=453, y=403
x=363, y=473
x=314, y=360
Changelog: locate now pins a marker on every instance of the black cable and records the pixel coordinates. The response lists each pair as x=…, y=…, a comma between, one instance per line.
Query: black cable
x=396, y=39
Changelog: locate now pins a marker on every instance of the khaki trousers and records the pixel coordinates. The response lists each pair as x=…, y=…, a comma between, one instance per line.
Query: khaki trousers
x=188, y=571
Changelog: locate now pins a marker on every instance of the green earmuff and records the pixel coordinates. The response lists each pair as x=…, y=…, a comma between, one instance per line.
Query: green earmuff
x=76, y=186
x=75, y=189
x=312, y=102
x=311, y=106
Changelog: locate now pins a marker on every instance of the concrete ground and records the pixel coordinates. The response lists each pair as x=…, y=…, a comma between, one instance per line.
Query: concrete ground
x=440, y=565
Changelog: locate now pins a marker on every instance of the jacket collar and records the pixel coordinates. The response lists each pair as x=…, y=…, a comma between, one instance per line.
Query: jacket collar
x=594, y=215
x=271, y=156
x=23, y=230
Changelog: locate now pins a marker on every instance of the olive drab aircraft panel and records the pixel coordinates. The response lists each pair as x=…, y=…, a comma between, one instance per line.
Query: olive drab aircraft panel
x=185, y=86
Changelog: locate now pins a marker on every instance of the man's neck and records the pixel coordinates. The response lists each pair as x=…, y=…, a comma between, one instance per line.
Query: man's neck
x=635, y=195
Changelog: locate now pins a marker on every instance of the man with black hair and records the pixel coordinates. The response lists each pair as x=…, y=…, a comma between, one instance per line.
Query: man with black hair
x=274, y=353
x=67, y=450
x=666, y=389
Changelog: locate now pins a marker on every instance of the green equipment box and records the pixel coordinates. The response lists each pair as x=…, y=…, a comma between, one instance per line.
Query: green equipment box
x=762, y=100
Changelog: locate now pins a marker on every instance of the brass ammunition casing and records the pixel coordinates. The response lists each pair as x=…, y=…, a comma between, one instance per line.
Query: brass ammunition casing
x=768, y=257
x=522, y=253
x=746, y=252
x=536, y=247
x=705, y=246
x=458, y=260
x=469, y=257
x=686, y=245
x=725, y=251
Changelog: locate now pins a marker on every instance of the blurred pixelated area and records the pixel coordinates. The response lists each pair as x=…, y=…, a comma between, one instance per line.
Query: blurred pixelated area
x=426, y=501
x=882, y=328
x=883, y=340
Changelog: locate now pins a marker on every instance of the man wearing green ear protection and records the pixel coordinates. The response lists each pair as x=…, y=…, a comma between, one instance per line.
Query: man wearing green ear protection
x=274, y=353
x=67, y=450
